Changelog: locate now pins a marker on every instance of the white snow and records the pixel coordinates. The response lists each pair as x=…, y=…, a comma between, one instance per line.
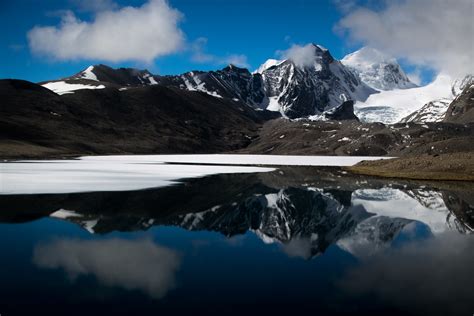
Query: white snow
x=268, y=64
x=273, y=104
x=433, y=111
x=391, y=106
x=89, y=225
x=344, y=139
x=152, y=80
x=230, y=159
x=198, y=86
x=122, y=173
x=366, y=57
x=377, y=70
x=64, y=214
x=116, y=173
x=61, y=87
x=88, y=74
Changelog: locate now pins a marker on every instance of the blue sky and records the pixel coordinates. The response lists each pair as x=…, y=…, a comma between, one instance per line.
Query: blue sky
x=256, y=29
x=213, y=33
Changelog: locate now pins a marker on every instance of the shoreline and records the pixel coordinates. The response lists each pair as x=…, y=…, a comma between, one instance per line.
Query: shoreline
x=444, y=167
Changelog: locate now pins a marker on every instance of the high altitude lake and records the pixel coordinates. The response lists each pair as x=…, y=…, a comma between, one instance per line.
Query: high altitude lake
x=205, y=235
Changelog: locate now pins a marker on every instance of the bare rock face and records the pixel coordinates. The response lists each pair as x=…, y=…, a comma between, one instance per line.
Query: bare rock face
x=343, y=112
x=461, y=109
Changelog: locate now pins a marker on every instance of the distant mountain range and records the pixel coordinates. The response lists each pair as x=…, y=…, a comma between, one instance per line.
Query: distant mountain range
x=295, y=90
x=125, y=110
x=376, y=82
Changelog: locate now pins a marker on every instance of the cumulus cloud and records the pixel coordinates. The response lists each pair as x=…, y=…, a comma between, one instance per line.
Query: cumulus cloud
x=199, y=55
x=129, y=33
x=130, y=264
x=436, y=33
x=301, y=55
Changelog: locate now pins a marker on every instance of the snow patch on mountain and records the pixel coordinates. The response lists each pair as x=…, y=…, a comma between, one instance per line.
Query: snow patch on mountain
x=391, y=106
x=435, y=110
x=88, y=74
x=62, y=87
x=268, y=64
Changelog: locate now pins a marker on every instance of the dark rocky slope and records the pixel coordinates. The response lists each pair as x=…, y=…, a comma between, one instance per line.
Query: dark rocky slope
x=36, y=122
x=461, y=110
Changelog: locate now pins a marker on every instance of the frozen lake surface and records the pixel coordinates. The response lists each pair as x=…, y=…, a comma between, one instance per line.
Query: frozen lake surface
x=122, y=173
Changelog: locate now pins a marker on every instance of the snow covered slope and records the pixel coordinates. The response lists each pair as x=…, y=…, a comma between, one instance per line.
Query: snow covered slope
x=377, y=70
x=435, y=111
x=393, y=105
x=268, y=64
x=62, y=87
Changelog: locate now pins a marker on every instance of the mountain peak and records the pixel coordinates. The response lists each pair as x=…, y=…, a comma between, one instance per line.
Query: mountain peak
x=320, y=47
x=232, y=67
x=367, y=56
x=268, y=64
x=377, y=69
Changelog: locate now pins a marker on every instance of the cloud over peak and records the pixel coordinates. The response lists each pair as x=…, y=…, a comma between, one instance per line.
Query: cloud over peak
x=129, y=33
x=437, y=34
x=302, y=56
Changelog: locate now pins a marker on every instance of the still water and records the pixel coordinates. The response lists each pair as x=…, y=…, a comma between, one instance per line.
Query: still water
x=290, y=240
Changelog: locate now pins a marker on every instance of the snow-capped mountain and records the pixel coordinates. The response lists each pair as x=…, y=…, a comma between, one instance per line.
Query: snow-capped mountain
x=375, y=82
x=268, y=64
x=294, y=90
x=119, y=76
x=377, y=69
x=320, y=84
x=435, y=111
x=393, y=105
x=99, y=77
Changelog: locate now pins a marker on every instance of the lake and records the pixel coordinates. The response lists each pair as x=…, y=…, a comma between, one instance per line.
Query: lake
x=230, y=235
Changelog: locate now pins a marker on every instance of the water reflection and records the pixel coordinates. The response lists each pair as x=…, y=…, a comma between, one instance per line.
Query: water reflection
x=130, y=264
x=431, y=276
x=369, y=245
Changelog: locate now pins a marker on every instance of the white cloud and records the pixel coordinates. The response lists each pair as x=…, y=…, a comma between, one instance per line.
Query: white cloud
x=415, y=76
x=130, y=264
x=301, y=55
x=438, y=34
x=129, y=33
x=199, y=55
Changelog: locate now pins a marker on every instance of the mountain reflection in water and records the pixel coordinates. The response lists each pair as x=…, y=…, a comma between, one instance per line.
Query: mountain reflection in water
x=396, y=246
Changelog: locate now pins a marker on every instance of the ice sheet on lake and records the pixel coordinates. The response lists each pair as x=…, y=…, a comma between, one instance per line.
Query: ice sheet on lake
x=134, y=172
x=70, y=176
x=218, y=159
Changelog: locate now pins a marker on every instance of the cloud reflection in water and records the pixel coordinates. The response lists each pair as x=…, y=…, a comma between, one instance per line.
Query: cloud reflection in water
x=130, y=264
